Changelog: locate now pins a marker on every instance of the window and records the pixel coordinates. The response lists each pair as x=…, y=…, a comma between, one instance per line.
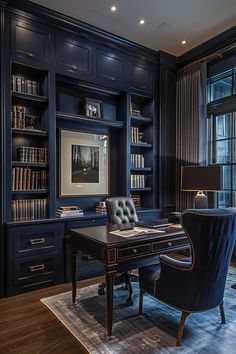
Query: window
x=221, y=86
x=222, y=133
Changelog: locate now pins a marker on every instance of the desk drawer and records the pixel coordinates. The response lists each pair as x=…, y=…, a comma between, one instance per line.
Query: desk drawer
x=133, y=251
x=87, y=223
x=173, y=243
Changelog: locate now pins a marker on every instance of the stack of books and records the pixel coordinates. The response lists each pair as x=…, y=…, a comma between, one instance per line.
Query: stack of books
x=136, y=112
x=101, y=208
x=69, y=211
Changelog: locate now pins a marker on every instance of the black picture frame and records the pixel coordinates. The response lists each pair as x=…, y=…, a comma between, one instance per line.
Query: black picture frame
x=93, y=108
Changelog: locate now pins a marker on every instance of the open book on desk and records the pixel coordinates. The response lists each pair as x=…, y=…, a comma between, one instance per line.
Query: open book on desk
x=136, y=231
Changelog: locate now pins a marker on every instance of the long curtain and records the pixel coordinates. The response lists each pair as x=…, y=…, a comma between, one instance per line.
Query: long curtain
x=190, y=126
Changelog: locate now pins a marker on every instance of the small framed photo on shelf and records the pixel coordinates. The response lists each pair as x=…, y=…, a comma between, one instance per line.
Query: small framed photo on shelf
x=136, y=199
x=93, y=108
x=84, y=163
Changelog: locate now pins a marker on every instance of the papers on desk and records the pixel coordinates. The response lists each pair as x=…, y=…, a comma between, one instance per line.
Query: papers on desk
x=136, y=231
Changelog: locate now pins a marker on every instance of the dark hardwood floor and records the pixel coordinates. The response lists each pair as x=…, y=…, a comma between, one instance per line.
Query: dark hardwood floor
x=28, y=327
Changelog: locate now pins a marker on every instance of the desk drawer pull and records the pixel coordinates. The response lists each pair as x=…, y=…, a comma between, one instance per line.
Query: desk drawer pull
x=135, y=250
x=37, y=267
x=169, y=244
x=37, y=241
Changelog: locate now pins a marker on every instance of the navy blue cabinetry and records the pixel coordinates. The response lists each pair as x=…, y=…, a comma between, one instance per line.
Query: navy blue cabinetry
x=110, y=68
x=141, y=77
x=29, y=40
x=34, y=256
x=74, y=57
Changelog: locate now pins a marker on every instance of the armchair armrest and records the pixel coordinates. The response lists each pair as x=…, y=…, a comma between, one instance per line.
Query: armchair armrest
x=174, y=263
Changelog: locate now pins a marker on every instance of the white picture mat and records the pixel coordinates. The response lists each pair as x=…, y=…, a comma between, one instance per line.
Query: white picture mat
x=69, y=138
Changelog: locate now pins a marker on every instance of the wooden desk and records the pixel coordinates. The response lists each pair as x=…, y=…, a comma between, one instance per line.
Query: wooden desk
x=121, y=254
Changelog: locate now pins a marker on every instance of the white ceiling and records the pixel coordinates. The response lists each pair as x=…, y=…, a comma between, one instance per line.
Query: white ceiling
x=168, y=22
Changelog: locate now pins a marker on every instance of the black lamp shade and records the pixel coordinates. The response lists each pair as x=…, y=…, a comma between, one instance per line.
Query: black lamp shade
x=201, y=178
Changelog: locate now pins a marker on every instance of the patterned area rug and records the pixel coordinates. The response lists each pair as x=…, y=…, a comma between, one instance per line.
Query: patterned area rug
x=154, y=332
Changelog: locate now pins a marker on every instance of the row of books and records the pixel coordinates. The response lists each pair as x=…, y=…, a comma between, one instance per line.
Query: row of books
x=20, y=84
x=32, y=154
x=137, y=161
x=101, y=208
x=24, y=178
x=135, y=135
x=18, y=117
x=21, y=120
x=69, y=211
x=29, y=209
x=137, y=181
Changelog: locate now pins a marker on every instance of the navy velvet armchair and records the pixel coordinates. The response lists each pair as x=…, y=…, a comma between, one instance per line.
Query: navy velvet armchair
x=195, y=284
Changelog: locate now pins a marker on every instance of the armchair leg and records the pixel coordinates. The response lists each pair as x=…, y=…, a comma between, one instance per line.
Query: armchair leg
x=181, y=327
x=222, y=313
x=141, y=293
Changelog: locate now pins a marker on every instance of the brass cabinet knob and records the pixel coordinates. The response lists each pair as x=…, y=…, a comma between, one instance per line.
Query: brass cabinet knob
x=169, y=244
x=30, y=55
x=74, y=68
x=135, y=250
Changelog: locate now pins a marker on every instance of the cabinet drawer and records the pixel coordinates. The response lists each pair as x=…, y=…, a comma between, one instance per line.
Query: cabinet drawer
x=73, y=56
x=133, y=251
x=38, y=240
x=110, y=68
x=29, y=41
x=25, y=271
x=170, y=244
x=141, y=78
x=86, y=223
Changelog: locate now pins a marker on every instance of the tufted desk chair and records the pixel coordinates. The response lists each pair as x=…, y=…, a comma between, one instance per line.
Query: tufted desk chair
x=122, y=215
x=197, y=284
x=121, y=212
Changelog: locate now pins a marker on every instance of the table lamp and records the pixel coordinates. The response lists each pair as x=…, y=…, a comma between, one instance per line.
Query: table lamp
x=199, y=179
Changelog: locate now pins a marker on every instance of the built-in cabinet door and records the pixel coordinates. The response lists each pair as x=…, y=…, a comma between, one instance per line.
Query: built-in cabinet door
x=141, y=77
x=29, y=41
x=74, y=57
x=110, y=68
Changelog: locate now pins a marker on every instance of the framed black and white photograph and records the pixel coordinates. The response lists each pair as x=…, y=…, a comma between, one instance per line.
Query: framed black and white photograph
x=93, y=108
x=84, y=163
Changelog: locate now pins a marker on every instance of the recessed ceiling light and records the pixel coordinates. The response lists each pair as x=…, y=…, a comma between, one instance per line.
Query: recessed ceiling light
x=113, y=8
x=141, y=21
x=183, y=42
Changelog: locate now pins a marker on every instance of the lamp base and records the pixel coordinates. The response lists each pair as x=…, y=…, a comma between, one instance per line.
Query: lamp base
x=200, y=201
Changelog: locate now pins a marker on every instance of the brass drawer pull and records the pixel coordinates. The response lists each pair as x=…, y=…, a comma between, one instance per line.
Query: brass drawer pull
x=37, y=241
x=135, y=250
x=169, y=244
x=30, y=55
x=37, y=267
x=74, y=68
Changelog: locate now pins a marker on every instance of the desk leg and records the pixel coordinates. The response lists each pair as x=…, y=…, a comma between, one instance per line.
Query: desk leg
x=73, y=274
x=109, y=293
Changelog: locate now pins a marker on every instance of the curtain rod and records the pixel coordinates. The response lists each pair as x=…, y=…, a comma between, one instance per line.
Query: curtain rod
x=218, y=54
